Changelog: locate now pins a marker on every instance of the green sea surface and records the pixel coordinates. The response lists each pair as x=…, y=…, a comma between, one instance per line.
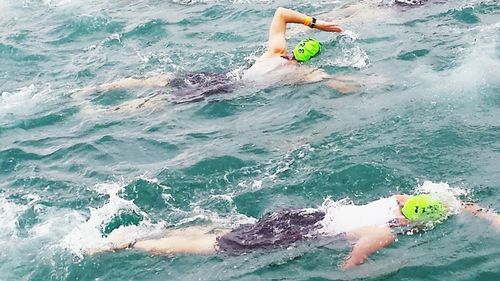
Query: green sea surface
x=74, y=172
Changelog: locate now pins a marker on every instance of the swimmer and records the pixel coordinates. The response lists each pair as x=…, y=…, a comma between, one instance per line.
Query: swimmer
x=369, y=227
x=275, y=67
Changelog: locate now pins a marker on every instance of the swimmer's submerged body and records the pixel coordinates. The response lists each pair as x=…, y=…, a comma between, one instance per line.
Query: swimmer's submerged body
x=370, y=227
x=274, y=68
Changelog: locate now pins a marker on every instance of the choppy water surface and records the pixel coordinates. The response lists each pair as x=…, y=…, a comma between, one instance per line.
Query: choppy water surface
x=72, y=172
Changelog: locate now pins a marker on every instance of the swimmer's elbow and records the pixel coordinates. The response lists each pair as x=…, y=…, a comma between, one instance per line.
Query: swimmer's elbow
x=277, y=50
x=282, y=13
x=279, y=12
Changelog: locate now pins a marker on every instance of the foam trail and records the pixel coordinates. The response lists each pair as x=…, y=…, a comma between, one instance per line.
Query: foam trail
x=87, y=237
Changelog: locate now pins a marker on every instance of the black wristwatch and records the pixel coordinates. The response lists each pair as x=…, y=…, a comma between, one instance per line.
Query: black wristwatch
x=313, y=22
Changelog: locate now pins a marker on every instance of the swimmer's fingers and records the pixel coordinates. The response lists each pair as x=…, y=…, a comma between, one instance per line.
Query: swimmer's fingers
x=328, y=26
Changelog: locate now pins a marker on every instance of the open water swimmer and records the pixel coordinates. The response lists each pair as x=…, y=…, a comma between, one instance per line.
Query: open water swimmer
x=276, y=67
x=369, y=227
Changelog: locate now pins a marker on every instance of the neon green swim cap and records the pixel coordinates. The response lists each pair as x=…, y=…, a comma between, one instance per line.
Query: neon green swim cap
x=423, y=208
x=306, y=49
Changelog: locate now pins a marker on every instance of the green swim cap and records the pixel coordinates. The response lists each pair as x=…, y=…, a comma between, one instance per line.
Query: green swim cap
x=423, y=208
x=306, y=49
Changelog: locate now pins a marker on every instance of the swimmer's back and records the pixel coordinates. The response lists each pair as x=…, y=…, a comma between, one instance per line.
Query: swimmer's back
x=346, y=218
x=272, y=70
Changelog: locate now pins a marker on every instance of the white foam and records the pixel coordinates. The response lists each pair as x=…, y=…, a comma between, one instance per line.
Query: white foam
x=9, y=214
x=444, y=192
x=51, y=225
x=473, y=72
x=87, y=235
x=480, y=60
x=25, y=101
x=351, y=54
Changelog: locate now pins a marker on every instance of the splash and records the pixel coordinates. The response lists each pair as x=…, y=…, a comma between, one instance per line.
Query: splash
x=88, y=236
x=471, y=77
x=9, y=214
x=26, y=101
x=444, y=192
x=350, y=54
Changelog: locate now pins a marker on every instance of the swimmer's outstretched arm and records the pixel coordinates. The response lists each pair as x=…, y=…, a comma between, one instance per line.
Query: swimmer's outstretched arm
x=483, y=213
x=277, y=42
x=369, y=240
x=344, y=85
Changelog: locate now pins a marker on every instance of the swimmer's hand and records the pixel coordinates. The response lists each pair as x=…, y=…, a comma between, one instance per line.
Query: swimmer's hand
x=328, y=26
x=370, y=239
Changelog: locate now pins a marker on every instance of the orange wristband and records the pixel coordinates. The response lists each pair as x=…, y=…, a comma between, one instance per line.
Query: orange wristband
x=307, y=21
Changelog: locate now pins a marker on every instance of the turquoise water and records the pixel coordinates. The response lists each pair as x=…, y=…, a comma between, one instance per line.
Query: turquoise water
x=73, y=173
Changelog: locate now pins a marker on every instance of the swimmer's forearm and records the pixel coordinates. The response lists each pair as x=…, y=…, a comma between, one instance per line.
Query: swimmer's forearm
x=484, y=213
x=371, y=239
x=291, y=16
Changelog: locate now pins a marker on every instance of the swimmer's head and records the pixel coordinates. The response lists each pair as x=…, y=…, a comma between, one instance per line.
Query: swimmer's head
x=423, y=208
x=306, y=49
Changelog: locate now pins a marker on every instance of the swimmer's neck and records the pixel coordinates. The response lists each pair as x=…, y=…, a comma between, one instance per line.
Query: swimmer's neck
x=401, y=199
x=289, y=57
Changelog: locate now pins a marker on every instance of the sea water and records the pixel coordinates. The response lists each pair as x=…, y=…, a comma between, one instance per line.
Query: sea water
x=76, y=174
